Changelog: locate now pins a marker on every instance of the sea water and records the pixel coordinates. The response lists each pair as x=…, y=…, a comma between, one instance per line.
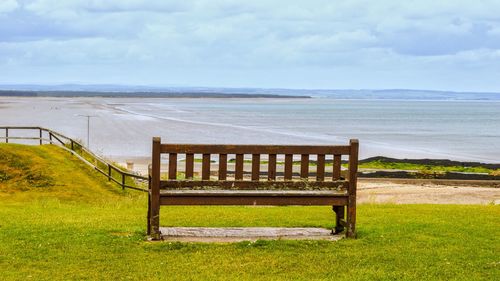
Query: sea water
x=460, y=130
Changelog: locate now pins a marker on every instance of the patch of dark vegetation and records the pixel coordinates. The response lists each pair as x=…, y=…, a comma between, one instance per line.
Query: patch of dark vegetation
x=39, y=179
x=427, y=175
x=430, y=162
x=13, y=93
x=4, y=176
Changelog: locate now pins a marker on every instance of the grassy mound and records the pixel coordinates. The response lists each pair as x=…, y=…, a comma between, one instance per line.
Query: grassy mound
x=49, y=171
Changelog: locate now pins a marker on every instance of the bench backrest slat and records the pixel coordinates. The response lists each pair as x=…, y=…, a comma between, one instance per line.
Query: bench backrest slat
x=304, y=166
x=288, y=166
x=205, y=166
x=271, y=167
x=337, y=158
x=238, y=174
x=189, y=165
x=320, y=168
x=172, y=166
x=255, y=167
x=222, y=166
x=254, y=149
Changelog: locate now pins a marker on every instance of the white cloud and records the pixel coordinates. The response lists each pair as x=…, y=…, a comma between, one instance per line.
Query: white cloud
x=7, y=6
x=311, y=37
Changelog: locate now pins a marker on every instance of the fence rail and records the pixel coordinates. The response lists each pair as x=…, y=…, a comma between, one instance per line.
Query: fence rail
x=103, y=166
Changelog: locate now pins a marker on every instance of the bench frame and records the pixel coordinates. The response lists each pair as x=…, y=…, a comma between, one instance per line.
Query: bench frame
x=239, y=191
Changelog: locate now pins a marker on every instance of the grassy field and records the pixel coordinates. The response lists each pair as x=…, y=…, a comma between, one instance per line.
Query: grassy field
x=67, y=222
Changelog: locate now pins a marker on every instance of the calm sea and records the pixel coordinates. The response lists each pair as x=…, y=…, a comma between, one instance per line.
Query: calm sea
x=460, y=130
x=464, y=130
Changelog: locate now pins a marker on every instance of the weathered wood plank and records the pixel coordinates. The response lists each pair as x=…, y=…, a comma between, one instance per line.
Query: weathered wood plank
x=255, y=167
x=320, y=167
x=304, y=166
x=235, y=234
x=261, y=200
x=254, y=149
x=172, y=166
x=243, y=184
x=238, y=173
x=233, y=192
x=189, y=165
x=222, y=166
x=205, y=167
x=271, y=167
x=288, y=166
x=336, y=166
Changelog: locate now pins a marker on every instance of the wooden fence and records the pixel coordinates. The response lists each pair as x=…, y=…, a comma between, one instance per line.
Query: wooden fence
x=103, y=166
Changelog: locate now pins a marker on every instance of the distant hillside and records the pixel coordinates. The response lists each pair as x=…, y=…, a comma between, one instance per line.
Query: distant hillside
x=110, y=90
x=187, y=94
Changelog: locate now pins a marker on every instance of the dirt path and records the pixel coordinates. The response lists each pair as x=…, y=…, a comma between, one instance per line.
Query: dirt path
x=425, y=193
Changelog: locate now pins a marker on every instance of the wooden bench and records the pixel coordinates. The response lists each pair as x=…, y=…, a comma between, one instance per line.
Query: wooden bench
x=279, y=185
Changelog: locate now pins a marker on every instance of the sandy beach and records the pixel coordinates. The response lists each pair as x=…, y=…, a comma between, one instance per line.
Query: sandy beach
x=418, y=192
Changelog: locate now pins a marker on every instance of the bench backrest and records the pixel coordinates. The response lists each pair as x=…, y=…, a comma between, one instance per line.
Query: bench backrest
x=325, y=173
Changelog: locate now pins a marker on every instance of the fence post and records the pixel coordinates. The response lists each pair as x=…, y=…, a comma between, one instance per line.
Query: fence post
x=123, y=181
x=109, y=172
x=72, y=145
x=50, y=137
x=41, y=136
x=6, y=135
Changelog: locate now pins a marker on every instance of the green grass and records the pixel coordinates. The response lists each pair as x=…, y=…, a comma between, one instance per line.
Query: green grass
x=81, y=227
x=51, y=172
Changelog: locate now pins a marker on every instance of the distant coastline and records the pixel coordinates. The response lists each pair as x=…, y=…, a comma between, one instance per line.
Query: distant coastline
x=187, y=94
x=105, y=90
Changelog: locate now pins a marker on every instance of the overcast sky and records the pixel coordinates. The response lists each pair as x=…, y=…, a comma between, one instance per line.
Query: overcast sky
x=440, y=45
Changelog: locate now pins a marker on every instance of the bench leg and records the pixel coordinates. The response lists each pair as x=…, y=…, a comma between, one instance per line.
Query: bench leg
x=351, y=219
x=154, y=218
x=339, y=217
